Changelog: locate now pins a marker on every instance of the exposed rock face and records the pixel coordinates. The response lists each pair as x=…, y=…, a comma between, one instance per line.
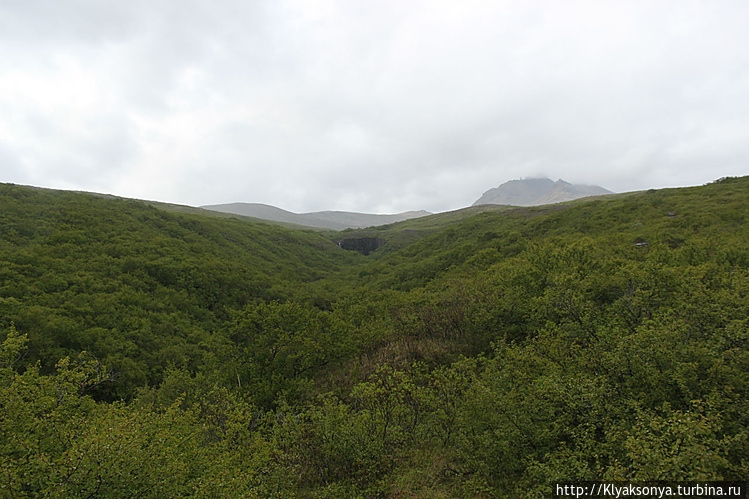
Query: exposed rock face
x=538, y=191
x=364, y=245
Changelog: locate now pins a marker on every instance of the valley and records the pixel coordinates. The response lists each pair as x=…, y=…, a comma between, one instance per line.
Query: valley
x=165, y=351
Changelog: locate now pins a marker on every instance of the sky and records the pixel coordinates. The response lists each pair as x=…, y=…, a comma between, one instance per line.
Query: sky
x=370, y=106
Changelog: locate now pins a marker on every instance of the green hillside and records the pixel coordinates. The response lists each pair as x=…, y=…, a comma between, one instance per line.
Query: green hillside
x=139, y=287
x=478, y=353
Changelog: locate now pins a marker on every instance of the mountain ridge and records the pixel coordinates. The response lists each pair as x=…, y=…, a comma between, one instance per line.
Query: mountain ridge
x=328, y=219
x=519, y=192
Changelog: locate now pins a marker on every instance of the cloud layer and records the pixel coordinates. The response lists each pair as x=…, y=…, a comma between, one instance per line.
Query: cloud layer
x=369, y=106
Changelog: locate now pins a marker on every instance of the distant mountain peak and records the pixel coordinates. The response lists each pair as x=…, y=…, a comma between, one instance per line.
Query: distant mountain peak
x=538, y=191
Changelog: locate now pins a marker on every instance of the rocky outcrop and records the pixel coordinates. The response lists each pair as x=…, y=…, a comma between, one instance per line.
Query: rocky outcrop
x=364, y=245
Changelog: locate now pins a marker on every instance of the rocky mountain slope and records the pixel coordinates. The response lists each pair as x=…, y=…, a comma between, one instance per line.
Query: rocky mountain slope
x=537, y=192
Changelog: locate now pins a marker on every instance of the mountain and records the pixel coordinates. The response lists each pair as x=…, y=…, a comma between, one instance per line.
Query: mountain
x=537, y=192
x=336, y=220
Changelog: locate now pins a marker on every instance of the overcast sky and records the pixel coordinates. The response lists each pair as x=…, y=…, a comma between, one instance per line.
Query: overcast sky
x=373, y=106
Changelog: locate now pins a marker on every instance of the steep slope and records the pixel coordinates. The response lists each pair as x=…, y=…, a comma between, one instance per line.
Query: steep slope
x=336, y=220
x=538, y=191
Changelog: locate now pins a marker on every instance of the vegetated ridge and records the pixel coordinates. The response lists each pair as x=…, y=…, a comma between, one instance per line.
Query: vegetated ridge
x=487, y=352
x=538, y=191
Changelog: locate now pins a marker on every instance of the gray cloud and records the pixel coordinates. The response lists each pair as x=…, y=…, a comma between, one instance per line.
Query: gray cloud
x=378, y=107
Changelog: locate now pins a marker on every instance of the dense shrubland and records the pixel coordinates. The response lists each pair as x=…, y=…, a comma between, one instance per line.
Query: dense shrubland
x=149, y=353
